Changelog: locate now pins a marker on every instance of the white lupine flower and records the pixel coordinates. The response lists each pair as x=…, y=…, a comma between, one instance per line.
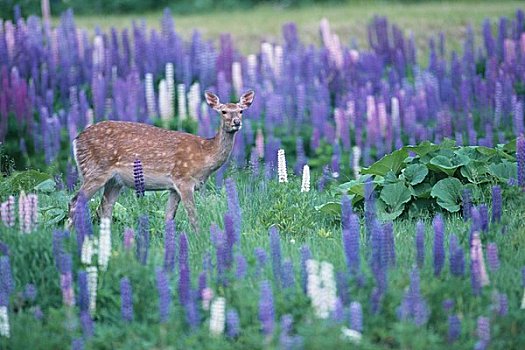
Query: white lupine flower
x=90, y=116
x=395, y=112
x=251, y=63
x=170, y=84
x=281, y=166
x=4, y=212
x=382, y=117
x=217, y=317
x=164, y=103
x=181, y=99
x=98, y=51
x=33, y=201
x=523, y=300
x=259, y=143
x=321, y=287
x=21, y=210
x=237, y=78
x=356, y=156
x=267, y=51
x=10, y=39
x=87, y=251
x=4, y=322
x=104, y=248
x=351, y=334
x=92, y=287
x=278, y=60
x=150, y=95
x=194, y=100
x=305, y=184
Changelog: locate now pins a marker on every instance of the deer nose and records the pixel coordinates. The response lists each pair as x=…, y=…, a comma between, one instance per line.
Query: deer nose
x=237, y=122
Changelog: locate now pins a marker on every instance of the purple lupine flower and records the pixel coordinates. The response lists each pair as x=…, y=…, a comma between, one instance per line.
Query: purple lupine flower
x=454, y=328
x=138, y=176
x=4, y=248
x=503, y=304
x=306, y=254
x=388, y=231
x=275, y=251
x=66, y=279
x=184, y=271
x=77, y=344
x=231, y=238
x=346, y=211
x=6, y=280
x=439, y=247
x=475, y=225
x=496, y=203
x=83, y=291
x=128, y=238
x=82, y=220
x=143, y=239
x=266, y=308
x=448, y=305
x=163, y=289
x=341, y=283
x=285, y=339
x=87, y=324
x=232, y=324
x=420, y=244
x=520, y=157
x=242, y=266
x=234, y=206
x=356, y=316
x=378, y=257
x=492, y=256
x=126, y=300
x=58, y=245
x=351, y=236
x=456, y=257
x=37, y=313
x=287, y=274
x=222, y=252
x=467, y=203
x=202, y=283
x=192, y=312
x=484, y=215
x=261, y=257
x=370, y=206
x=483, y=329
x=375, y=300
x=30, y=292
x=413, y=307
x=169, y=246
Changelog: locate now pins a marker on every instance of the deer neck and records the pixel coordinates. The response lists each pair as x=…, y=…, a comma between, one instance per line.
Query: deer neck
x=222, y=144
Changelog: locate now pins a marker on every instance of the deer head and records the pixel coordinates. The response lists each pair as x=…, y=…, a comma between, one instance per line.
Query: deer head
x=231, y=113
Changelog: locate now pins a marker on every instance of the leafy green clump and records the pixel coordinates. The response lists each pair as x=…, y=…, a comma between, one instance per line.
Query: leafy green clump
x=429, y=177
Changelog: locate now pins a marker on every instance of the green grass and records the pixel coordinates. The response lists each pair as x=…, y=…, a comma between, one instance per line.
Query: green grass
x=263, y=204
x=264, y=23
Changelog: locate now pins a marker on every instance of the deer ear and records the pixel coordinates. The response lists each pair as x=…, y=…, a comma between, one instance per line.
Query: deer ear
x=246, y=99
x=212, y=100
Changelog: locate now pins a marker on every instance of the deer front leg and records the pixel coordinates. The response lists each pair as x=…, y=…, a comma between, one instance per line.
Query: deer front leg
x=186, y=195
x=111, y=193
x=173, y=204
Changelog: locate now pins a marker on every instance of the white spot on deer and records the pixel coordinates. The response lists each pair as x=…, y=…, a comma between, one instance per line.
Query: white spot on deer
x=185, y=165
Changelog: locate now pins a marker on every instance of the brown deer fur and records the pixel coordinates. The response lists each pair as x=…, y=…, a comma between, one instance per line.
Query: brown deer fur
x=172, y=160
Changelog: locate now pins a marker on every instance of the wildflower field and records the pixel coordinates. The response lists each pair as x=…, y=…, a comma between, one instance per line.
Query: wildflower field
x=371, y=201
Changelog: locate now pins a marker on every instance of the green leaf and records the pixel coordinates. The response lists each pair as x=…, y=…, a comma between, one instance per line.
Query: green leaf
x=448, y=165
x=476, y=172
x=332, y=208
x=395, y=194
x=421, y=207
x=448, y=194
x=421, y=190
x=504, y=171
x=391, y=162
x=415, y=173
x=390, y=177
x=47, y=186
x=26, y=180
x=423, y=148
x=386, y=213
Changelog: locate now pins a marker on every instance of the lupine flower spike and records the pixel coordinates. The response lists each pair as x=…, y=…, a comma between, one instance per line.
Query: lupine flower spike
x=281, y=166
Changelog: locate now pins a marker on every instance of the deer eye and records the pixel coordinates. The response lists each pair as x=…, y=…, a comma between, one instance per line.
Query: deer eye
x=240, y=112
x=224, y=112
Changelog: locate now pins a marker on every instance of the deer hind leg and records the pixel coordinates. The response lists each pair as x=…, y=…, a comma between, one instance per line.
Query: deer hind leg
x=173, y=204
x=111, y=192
x=186, y=195
x=88, y=188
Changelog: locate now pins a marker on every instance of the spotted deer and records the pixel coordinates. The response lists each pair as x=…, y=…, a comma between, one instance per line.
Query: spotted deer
x=172, y=160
